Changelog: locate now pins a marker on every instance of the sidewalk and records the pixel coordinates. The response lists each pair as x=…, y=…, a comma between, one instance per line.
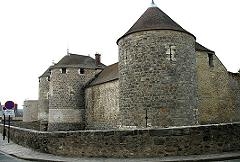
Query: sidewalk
x=29, y=154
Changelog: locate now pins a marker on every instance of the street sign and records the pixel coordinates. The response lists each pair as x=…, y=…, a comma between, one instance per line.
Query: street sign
x=9, y=104
x=9, y=112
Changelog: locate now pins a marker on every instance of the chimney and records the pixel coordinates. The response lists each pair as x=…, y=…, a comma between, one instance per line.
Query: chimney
x=97, y=59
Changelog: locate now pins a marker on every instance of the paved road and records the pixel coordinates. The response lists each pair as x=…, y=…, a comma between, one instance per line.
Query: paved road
x=7, y=158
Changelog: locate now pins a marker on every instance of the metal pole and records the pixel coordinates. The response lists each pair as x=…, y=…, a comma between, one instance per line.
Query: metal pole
x=8, y=128
x=4, y=129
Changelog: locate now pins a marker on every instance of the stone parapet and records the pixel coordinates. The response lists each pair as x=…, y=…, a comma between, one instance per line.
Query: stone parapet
x=178, y=141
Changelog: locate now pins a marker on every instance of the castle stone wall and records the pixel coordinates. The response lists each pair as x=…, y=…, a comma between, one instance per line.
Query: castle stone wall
x=235, y=87
x=43, y=101
x=102, y=105
x=66, y=104
x=215, y=101
x=195, y=140
x=150, y=80
x=30, y=110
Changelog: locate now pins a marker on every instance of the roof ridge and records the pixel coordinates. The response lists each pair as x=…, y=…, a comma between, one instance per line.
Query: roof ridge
x=77, y=55
x=78, y=60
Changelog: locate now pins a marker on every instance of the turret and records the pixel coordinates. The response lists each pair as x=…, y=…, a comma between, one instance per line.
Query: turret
x=157, y=73
x=66, y=104
x=43, y=98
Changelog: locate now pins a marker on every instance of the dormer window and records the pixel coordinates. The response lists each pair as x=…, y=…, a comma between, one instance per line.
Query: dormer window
x=210, y=60
x=171, y=50
x=64, y=70
x=81, y=71
x=48, y=78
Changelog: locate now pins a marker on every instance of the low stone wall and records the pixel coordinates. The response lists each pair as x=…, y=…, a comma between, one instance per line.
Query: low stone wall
x=195, y=140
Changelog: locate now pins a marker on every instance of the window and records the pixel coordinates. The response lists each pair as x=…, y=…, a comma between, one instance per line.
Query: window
x=171, y=52
x=48, y=95
x=64, y=70
x=210, y=59
x=48, y=78
x=81, y=71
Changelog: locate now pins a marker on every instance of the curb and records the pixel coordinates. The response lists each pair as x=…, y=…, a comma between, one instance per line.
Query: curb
x=193, y=158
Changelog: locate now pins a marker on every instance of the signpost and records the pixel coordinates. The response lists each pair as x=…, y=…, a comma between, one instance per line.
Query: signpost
x=8, y=112
x=9, y=105
x=8, y=109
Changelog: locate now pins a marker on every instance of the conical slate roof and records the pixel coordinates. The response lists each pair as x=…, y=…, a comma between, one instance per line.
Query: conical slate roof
x=154, y=19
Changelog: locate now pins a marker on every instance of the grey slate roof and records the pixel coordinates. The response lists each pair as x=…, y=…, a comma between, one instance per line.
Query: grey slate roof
x=200, y=47
x=110, y=73
x=74, y=60
x=46, y=73
x=154, y=19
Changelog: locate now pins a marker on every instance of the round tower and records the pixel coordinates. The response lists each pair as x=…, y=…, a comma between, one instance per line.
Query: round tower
x=66, y=102
x=157, y=73
x=43, y=98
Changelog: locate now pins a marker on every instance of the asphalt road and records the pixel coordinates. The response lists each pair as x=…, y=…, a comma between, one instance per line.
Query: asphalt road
x=7, y=158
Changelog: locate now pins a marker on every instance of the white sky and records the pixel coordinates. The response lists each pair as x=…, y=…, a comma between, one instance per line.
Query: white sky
x=35, y=32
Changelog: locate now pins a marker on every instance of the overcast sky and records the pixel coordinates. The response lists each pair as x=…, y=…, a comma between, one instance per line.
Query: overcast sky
x=33, y=33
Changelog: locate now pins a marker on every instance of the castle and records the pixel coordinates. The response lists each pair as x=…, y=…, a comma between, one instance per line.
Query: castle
x=164, y=78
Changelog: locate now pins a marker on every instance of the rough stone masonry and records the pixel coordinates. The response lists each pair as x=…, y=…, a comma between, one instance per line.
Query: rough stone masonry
x=164, y=78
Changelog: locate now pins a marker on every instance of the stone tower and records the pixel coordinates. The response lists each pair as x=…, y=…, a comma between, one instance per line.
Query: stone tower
x=66, y=102
x=43, y=98
x=157, y=73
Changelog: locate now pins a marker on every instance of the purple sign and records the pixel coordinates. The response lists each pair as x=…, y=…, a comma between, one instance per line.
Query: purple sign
x=9, y=105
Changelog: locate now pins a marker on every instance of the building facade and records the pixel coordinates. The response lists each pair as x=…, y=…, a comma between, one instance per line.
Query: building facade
x=164, y=78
